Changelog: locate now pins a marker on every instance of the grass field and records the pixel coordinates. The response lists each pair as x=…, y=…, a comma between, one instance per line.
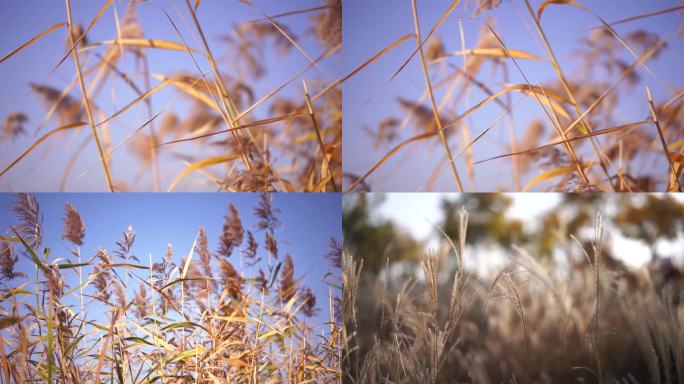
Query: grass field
x=240, y=313
x=163, y=96
x=514, y=96
x=580, y=316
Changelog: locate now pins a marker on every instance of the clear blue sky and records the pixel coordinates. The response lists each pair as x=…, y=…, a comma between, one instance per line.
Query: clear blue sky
x=21, y=20
x=371, y=25
x=159, y=219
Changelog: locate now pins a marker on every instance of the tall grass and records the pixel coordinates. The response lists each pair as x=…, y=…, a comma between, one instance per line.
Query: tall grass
x=529, y=324
x=199, y=318
x=234, y=123
x=581, y=130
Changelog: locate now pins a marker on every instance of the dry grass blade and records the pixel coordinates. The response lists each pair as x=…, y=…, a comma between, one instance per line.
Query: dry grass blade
x=546, y=3
x=321, y=146
x=86, y=102
x=524, y=88
x=40, y=140
x=441, y=20
x=389, y=154
x=137, y=130
x=586, y=128
x=142, y=43
x=199, y=165
x=257, y=123
x=646, y=15
x=490, y=52
x=279, y=88
x=435, y=111
x=97, y=17
x=227, y=105
x=188, y=86
x=557, y=171
x=674, y=187
x=33, y=40
x=130, y=105
x=576, y=138
x=364, y=65
x=291, y=13
x=119, y=59
x=283, y=32
x=643, y=58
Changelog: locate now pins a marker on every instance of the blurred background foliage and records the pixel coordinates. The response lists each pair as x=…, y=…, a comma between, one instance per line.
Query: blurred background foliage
x=647, y=217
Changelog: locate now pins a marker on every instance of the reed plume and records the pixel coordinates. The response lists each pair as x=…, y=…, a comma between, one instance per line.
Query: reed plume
x=288, y=285
x=30, y=219
x=232, y=234
x=74, y=227
x=14, y=126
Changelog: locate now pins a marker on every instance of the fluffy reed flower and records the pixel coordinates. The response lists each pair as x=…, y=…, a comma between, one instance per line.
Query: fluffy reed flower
x=101, y=283
x=328, y=24
x=250, y=251
x=161, y=273
x=141, y=146
x=140, y=302
x=423, y=115
x=67, y=108
x=28, y=212
x=309, y=303
x=125, y=244
x=74, y=227
x=266, y=214
x=435, y=49
x=261, y=281
x=288, y=285
x=55, y=284
x=231, y=279
x=168, y=124
x=486, y=5
x=120, y=293
x=104, y=256
x=7, y=260
x=271, y=245
x=334, y=255
x=77, y=31
x=259, y=178
x=14, y=126
x=202, y=250
x=386, y=132
x=232, y=234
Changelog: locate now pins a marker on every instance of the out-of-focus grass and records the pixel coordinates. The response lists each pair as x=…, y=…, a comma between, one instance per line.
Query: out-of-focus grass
x=535, y=321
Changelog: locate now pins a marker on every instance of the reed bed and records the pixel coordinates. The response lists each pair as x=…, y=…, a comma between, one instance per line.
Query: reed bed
x=200, y=318
x=571, y=110
x=529, y=323
x=232, y=116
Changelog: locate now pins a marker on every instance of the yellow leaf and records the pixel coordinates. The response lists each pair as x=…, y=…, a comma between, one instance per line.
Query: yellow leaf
x=187, y=86
x=493, y=52
x=144, y=43
x=188, y=353
x=555, y=172
x=549, y=2
x=33, y=40
x=199, y=165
